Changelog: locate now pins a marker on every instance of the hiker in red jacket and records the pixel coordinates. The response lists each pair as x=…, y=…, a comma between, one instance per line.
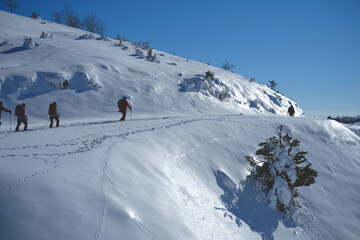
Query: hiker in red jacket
x=53, y=114
x=21, y=116
x=122, y=105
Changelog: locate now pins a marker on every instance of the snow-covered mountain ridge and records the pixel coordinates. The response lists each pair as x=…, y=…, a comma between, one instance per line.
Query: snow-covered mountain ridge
x=175, y=169
x=101, y=71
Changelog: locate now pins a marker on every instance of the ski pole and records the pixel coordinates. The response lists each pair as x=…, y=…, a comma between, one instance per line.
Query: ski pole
x=10, y=121
x=46, y=123
x=131, y=114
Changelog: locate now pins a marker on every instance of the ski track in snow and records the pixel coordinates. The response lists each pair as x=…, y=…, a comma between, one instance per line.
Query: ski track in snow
x=105, y=166
x=92, y=141
x=86, y=143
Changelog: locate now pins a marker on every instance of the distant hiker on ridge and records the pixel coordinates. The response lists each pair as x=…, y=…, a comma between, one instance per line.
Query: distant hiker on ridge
x=53, y=114
x=21, y=116
x=122, y=105
x=291, y=111
x=3, y=109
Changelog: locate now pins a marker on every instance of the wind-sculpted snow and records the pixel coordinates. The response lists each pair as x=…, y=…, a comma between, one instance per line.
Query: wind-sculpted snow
x=170, y=178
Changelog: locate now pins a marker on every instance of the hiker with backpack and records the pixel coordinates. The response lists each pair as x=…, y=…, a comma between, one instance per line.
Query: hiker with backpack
x=122, y=105
x=291, y=111
x=21, y=116
x=3, y=109
x=53, y=114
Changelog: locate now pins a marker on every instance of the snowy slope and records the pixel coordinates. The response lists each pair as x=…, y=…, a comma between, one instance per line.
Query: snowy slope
x=100, y=72
x=169, y=172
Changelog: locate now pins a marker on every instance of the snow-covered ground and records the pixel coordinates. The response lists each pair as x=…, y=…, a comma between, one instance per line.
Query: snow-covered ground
x=168, y=171
x=159, y=179
x=100, y=72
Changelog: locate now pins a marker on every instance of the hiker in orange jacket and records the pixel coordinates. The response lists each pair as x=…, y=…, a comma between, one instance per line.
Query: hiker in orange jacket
x=53, y=114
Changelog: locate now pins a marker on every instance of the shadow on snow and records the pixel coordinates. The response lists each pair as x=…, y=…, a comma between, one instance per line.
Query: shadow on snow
x=245, y=206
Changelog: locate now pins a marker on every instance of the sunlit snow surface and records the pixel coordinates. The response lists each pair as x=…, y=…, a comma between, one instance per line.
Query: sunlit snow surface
x=175, y=169
x=170, y=178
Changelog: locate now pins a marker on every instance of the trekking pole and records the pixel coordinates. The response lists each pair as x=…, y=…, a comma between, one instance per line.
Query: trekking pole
x=46, y=123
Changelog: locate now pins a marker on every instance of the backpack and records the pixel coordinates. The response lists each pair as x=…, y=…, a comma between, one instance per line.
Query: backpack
x=19, y=110
x=121, y=104
x=52, y=109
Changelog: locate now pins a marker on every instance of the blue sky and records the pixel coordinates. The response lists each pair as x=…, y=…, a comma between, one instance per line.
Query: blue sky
x=310, y=48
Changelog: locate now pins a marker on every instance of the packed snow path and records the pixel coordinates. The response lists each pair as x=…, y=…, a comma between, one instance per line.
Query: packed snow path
x=159, y=179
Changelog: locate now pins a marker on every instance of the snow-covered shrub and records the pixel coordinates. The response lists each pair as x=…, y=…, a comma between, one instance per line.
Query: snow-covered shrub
x=151, y=57
x=227, y=66
x=65, y=83
x=278, y=169
x=138, y=52
x=86, y=36
x=28, y=43
x=149, y=51
x=146, y=45
x=122, y=38
x=120, y=44
x=35, y=15
x=210, y=75
x=142, y=45
x=224, y=95
x=45, y=35
x=105, y=38
x=272, y=85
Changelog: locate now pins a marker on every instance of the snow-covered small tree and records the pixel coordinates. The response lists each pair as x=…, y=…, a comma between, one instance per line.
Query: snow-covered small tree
x=139, y=52
x=150, y=53
x=44, y=35
x=146, y=45
x=35, y=15
x=272, y=85
x=227, y=66
x=278, y=169
x=120, y=44
x=65, y=83
x=28, y=43
x=210, y=75
x=151, y=57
